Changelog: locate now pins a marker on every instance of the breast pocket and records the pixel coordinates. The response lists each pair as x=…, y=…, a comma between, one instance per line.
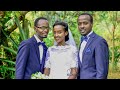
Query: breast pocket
x=88, y=51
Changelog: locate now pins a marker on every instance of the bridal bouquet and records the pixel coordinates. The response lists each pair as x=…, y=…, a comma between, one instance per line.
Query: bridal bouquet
x=39, y=75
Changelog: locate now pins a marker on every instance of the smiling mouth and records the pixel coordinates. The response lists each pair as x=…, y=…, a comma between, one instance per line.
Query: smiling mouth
x=44, y=34
x=57, y=39
x=82, y=31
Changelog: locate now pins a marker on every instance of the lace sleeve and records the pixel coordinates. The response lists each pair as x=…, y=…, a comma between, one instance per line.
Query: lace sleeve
x=74, y=62
x=47, y=60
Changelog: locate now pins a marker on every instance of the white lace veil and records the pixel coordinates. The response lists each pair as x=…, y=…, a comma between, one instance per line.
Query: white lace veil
x=71, y=40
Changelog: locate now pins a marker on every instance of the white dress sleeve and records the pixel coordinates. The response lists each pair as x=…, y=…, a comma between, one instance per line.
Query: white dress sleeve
x=47, y=60
x=74, y=57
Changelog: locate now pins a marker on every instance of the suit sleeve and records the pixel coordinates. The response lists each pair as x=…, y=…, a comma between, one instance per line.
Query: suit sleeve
x=102, y=59
x=21, y=60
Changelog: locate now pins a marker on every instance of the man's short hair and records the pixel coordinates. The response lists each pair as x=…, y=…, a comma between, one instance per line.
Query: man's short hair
x=36, y=21
x=91, y=18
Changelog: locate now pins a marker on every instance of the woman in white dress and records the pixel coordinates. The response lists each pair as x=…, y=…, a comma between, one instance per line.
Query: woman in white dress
x=61, y=59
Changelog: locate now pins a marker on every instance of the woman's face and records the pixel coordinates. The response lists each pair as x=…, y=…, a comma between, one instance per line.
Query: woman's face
x=59, y=34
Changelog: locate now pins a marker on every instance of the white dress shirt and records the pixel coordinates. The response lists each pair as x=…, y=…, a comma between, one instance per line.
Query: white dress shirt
x=83, y=44
x=40, y=48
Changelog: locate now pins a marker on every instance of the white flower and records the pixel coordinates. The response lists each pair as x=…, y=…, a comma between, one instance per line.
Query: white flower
x=39, y=75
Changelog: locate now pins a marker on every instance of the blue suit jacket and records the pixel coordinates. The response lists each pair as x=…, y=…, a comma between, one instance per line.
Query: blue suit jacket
x=95, y=60
x=28, y=59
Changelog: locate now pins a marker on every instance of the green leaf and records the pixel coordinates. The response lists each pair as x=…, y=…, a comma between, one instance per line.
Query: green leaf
x=9, y=49
x=6, y=60
x=7, y=68
x=11, y=39
x=22, y=33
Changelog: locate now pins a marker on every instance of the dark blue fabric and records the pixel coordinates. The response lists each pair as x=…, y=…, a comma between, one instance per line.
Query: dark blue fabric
x=84, y=38
x=95, y=59
x=28, y=59
x=44, y=55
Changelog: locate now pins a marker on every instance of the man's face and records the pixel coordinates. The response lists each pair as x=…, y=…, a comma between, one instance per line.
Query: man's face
x=84, y=24
x=42, y=28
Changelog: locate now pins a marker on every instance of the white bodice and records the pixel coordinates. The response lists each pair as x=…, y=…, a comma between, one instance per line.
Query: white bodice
x=60, y=60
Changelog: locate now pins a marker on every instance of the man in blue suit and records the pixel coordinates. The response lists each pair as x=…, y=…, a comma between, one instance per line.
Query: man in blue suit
x=32, y=52
x=93, y=51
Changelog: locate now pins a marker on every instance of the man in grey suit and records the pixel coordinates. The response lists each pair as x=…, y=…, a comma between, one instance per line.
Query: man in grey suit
x=93, y=51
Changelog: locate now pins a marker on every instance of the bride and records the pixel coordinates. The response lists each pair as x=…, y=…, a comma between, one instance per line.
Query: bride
x=61, y=59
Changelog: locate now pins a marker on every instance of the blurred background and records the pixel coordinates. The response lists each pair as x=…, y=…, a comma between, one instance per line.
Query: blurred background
x=16, y=26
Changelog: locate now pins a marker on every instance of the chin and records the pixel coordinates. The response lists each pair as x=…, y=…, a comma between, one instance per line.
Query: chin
x=83, y=34
x=57, y=42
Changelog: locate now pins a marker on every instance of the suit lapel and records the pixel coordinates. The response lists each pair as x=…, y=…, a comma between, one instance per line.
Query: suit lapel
x=88, y=44
x=38, y=53
x=43, y=58
x=79, y=62
x=36, y=48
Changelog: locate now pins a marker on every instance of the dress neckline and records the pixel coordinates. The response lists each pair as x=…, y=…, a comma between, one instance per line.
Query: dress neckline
x=67, y=46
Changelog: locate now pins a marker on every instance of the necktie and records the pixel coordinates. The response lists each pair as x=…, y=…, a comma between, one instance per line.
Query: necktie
x=84, y=38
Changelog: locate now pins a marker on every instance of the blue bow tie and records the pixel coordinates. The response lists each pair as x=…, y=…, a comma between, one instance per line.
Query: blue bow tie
x=43, y=44
x=40, y=43
x=84, y=38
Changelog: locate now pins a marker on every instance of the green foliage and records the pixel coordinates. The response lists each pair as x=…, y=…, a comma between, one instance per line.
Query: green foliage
x=117, y=58
x=22, y=33
x=7, y=69
x=9, y=49
x=11, y=39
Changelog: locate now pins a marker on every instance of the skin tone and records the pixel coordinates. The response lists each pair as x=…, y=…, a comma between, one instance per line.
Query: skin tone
x=73, y=72
x=42, y=29
x=47, y=71
x=84, y=24
x=59, y=36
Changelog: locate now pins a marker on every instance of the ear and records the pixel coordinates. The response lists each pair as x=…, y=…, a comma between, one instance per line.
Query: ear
x=35, y=28
x=66, y=33
x=91, y=25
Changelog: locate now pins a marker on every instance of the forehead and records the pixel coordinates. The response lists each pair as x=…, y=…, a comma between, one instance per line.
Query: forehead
x=84, y=18
x=58, y=27
x=42, y=21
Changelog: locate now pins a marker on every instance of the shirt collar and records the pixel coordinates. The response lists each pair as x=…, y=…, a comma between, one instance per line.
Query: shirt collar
x=89, y=34
x=38, y=40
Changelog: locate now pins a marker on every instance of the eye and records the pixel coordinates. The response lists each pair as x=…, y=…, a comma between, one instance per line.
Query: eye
x=85, y=23
x=54, y=32
x=59, y=32
x=79, y=24
x=43, y=27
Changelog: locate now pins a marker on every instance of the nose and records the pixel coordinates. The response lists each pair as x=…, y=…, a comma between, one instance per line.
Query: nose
x=82, y=25
x=55, y=34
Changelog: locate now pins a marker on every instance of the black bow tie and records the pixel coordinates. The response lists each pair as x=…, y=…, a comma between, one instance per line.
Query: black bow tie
x=84, y=38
